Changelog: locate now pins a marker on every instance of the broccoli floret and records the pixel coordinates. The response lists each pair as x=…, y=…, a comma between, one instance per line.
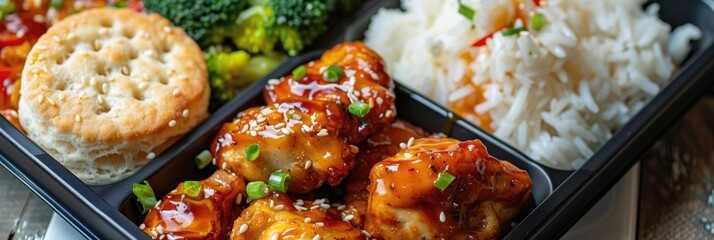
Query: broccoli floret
x=229, y=72
x=297, y=23
x=204, y=20
x=250, y=32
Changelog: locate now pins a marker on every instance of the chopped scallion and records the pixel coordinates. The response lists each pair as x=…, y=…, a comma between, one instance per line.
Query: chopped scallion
x=299, y=72
x=443, y=180
x=144, y=195
x=56, y=4
x=256, y=190
x=333, y=73
x=252, y=151
x=191, y=188
x=513, y=31
x=120, y=4
x=7, y=7
x=296, y=117
x=279, y=181
x=358, y=108
x=203, y=159
x=538, y=21
x=466, y=11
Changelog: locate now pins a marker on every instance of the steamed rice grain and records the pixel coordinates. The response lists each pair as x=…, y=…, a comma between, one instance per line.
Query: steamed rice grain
x=556, y=94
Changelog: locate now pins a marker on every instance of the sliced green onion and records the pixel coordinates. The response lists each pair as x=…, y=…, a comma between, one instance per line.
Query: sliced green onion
x=203, y=159
x=256, y=190
x=56, y=4
x=299, y=72
x=358, y=108
x=120, y=4
x=191, y=188
x=466, y=11
x=252, y=151
x=296, y=117
x=145, y=196
x=279, y=181
x=333, y=73
x=443, y=180
x=7, y=7
x=538, y=21
x=513, y=31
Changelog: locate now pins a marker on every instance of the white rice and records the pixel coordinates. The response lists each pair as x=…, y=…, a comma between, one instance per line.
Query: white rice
x=556, y=94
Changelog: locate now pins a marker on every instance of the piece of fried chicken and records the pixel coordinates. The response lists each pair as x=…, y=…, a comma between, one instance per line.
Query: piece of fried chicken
x=209, y=215
x=480, y=202
x=363, y=79
x=305, y=139
x=277, y=216
x=307, y=127
x=382, y=144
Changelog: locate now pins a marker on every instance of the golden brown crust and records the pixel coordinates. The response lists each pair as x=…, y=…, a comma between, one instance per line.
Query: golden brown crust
x=110, y=75
x=106, y=90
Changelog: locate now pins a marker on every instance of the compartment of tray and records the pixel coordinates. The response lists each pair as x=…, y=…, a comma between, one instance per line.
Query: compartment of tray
x=411, y=107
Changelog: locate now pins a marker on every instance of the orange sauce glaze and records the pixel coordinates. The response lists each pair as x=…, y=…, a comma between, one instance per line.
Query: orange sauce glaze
x=485, y=190
x=380, y=145
x=263, y=221
x=364, y=79
x=206, y=216
x=329, y=155
x=466, y=107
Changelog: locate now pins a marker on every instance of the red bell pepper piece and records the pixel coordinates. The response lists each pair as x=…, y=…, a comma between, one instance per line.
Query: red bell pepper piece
x=4, y=74
x=482, y=42
x=10, y=39
x=136, y=6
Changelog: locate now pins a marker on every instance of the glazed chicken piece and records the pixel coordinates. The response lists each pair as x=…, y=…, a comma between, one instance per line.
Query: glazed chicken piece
x=364, y=79
x=307, y=128
x=206, y=216
x=278, y=217
x=305, y=139
x=485, y=195
x=382, y=144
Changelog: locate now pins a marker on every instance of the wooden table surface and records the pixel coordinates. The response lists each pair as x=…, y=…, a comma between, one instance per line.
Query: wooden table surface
x=676, y=192
x=677, y=187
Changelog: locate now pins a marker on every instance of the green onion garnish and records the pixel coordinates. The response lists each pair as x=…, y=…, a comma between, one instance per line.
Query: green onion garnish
x=358, y=108
x=7, y=7
x=538, y=21
x=191, y=188
x=256, y=190
x=145, y=196
x=444, y=180
x=296, y=117
x=299, y=72
x=466, y=11
x=56, y=4
x=120, y=4
x=252, y=151
x=203, y=159
x=279, y=181
x=513, y=31
x=333, y=73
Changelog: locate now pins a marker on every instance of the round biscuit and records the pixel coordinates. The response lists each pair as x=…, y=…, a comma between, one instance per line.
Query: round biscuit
x=109, y=87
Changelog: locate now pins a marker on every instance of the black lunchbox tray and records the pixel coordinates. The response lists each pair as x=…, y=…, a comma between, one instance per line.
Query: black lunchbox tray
x=558, y=200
